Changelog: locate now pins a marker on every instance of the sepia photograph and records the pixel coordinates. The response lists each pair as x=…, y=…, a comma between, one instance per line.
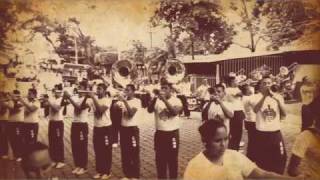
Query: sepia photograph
x=160, y=89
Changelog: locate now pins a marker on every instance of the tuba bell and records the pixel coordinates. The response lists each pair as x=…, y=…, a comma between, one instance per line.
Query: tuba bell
x=124, y=72
x=172, y=70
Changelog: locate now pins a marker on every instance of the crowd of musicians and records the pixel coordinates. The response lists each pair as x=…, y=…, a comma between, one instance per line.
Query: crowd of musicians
x=259, y=108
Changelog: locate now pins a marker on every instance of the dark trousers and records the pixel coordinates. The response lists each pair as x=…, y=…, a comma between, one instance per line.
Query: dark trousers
x=4, y=146
x=16, y=138
x=270, y=153
x=30, y=133
x=103, y=148
x=236, y=125
x=56, y=143
x=251, y=130
x=130, y=151
x=79, y=144
x=166, y=145
x=115, y=116
x=184, y=101
x=306, y=117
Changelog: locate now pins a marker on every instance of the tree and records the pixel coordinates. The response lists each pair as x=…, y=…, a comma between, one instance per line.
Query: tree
x=276, y=22
x=202, y=20
x=136, y=53
x=9, y=11
x=62, y=36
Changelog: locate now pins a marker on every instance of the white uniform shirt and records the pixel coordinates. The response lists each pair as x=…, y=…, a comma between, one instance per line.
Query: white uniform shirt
x=32, y=117
x=104, y=120
x=237, y=103
x=203, y=92
x=163, y=121
x=16, y=117
x=55, y=116
x=236, y=166
x=216, y=110
x=184, y=88
x=248, y=108
x=84, y=114
x=134, y=121
x=268, y=118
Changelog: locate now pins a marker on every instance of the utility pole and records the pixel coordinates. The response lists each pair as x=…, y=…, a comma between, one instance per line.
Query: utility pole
x=150, y=32
x=76, y=49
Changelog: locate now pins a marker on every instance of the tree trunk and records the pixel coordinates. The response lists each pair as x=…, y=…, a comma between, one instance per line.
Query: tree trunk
x=252, y=45
x=170, y=27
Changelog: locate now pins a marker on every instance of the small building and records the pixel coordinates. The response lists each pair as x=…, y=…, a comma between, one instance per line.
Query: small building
x=207, y=66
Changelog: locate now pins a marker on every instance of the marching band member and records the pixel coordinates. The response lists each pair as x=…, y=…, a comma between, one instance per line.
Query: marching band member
x=79, y=130
x=202, y=92
x=31, y=117
x=270, y=152
x=250, y=120
x=218, y=107
x=4, y=115
x=115, y=115
x=102, y=132
x=234, y=95
x=183, y=90
x=56, y=127
x=129, y=133
x=15, y=122
x=166, y=109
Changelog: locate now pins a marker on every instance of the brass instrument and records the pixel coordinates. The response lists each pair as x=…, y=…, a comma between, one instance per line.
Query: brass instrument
x=124, y=72
x=172, y=70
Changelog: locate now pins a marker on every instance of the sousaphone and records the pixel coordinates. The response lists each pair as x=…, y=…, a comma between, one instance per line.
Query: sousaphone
x=124, y=72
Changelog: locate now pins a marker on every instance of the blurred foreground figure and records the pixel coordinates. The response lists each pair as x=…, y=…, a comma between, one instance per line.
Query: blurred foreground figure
x=36, y=162
x=218, y=162
x=306, y=148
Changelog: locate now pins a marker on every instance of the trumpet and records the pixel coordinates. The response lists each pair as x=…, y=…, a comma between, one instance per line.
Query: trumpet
x=85, y=92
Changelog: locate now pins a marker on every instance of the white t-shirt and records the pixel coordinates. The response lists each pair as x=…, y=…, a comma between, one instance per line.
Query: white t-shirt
x=104, y=120
x=184, y=88
x=16, y=117
x=268, y=118
x=203, y=92
x=32, y=117
x=55, y=116
x=84, y=114
x=134, y=121
x=236, y=166
x=307, y=147
x=163, y=121
x=248, y=108
x=237, y=103
x=216, y=110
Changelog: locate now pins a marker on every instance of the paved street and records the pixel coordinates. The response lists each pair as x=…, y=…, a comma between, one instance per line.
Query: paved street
x=190, y=146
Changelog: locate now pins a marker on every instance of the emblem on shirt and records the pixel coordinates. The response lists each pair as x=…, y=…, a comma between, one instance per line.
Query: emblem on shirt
x=269, y=114
x=164, y=115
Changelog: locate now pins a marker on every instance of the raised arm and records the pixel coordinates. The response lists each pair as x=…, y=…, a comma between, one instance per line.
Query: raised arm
x=228, y=112
x=31, y=107
x=174, y=110
x=258, y=106
x=131, y=110
x=152, y=105
x=101, y=108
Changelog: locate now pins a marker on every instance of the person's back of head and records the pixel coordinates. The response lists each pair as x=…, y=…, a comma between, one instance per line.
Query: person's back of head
x=36, y=162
